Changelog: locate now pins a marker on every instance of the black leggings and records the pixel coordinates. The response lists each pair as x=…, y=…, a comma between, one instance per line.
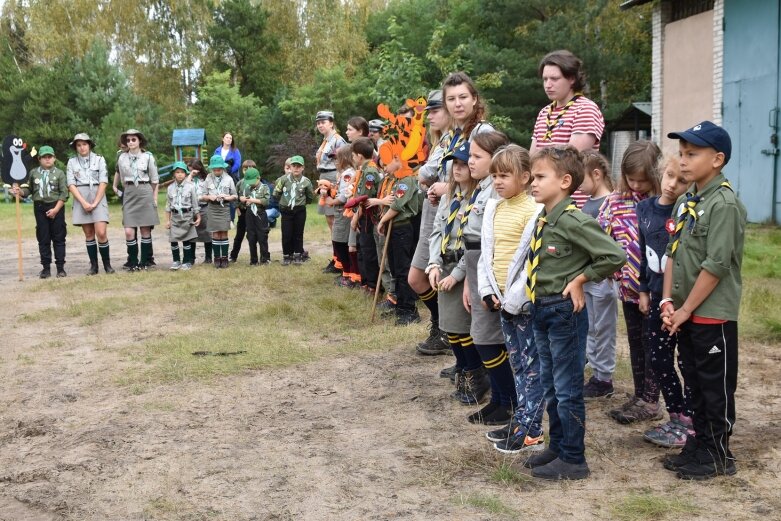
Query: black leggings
x=639, y=354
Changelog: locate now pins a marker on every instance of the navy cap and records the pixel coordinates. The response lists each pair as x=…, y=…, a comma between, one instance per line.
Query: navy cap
x=461, y=153
x=707, y=134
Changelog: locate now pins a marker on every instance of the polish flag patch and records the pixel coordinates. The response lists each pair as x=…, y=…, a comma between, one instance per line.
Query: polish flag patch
x=670, y=226
x=551, y=249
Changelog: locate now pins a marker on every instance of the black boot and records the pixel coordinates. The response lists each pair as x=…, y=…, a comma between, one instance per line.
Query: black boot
x=107, y=266
x=435, y=344
x=45, y=273
x=93, y=267
x=477, y=385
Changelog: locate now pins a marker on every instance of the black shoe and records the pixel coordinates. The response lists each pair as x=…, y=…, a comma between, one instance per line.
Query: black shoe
x=434, y=344
x=704, y=467
x=298, y=259
x=151, y=262
x=675, y=461
x=331, y=268
x=255, y=263
x=235, y=259
x=45, y=273
x=207, y=260
x=503, y=433
x=491, y=414
x=448, y=372
x=405, y=319
x=519, y=441
x=558, y=469
x=287, y=260
x=61, y=273
x=541, y=459
x=596, y=388
x=93, y=268
x=107, y=267
x=129, y=267
x=477, y=385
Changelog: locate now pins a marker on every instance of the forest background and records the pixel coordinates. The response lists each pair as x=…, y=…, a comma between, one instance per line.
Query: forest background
x=261, y=69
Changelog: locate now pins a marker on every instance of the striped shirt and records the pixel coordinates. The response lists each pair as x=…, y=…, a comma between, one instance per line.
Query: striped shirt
x=509, y=222
x=618, y=217
x=583, y=117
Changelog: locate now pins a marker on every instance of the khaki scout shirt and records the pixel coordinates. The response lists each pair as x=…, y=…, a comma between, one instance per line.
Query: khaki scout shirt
x=46, y=186
x=714, y=244
x=573, y=243
x=181, y=197
x=139, y=168
x=87, y=171
x=474, y=224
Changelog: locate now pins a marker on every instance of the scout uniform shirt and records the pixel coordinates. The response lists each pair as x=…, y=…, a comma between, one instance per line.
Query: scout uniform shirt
x=222, y=185
x=135, y=169
x=259, y=191
x=326, y=154
x=407, y=202
x=182, y=198
x=474, y=224
x=573, y=243
x=46, y=186
x=240, y=191
x=292, y=192
x=368, y=180
x=713, y=242
x=87, y=171
x=201, y=189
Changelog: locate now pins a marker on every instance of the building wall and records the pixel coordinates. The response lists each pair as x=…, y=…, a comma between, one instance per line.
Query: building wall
x=687, y=72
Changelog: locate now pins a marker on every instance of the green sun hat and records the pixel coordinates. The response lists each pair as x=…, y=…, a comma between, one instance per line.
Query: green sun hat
x=45, y=150
x=217, y=161
x=297, y=160
x=180, y=165
x=251, y=175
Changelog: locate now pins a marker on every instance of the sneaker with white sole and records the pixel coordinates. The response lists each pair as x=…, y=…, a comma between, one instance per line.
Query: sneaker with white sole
x=175, y=266
x=519, y=442
x=186, y=266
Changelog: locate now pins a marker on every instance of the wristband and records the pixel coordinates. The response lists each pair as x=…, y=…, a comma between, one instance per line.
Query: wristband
x=665, y=301
x=431, y=267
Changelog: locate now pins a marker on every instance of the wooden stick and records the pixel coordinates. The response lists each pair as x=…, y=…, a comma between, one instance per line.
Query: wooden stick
x=19, y=235
x=382, y=267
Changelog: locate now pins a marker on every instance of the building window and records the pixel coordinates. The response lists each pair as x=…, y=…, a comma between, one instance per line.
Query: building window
x=684, y=8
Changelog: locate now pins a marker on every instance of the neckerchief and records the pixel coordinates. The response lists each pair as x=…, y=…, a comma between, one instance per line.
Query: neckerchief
x=455, y=206
x=465, y=217
x=533, y=259
x=548, y=136
x=85, y=169
x=687, y=210
x=456, y=138
x=178, y=198
x=44, y=183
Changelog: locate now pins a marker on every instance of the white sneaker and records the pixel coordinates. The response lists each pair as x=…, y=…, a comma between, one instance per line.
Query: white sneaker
x=186, y=266
x=175, y=266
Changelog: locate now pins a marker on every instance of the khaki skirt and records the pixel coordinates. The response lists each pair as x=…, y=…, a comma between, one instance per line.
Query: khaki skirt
x=182, y=226
x=420, y=258
x=341, y=229
x=453, y=317
x=98, y=215
x=203, y=231
x=486, y=327
x=138, y=206
x=218, y=217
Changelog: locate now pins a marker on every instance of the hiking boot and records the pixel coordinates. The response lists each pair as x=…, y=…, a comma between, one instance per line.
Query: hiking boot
x=458, y=379
x=639, y=411
x=107, y=267
x=434, y=344
x=596, y=388
x=175, y=266
x=45, y=273
x=476, y=385
x=448, y=372
x=519, y=441
x=331, y=268
x=61, y=272
x=150, y=263
x=386, y=307
x=672, y=434
x=287, y=260
x=407, y=318
x=673, y=462
x=707, y=464
x=558, y=469
x=541, y=459
x=502, y=433
x=186, y=266
x=491, y=414
x=298, y=259
x=93, y=268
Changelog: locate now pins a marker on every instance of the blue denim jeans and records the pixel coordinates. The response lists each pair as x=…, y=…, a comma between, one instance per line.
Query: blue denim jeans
x=561, y=336
x=525, y=363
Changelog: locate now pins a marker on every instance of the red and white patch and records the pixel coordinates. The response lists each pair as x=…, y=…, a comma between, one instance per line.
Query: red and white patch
x=670, y=226
x=551, y=249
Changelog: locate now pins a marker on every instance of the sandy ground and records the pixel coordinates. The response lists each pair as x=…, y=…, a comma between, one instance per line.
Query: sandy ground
x=372, y=436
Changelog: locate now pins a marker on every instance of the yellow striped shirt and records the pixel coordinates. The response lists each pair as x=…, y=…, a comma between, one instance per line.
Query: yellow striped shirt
x=509, y=221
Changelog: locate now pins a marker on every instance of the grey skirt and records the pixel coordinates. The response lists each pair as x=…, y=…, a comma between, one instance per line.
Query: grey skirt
x=202, y=229
x=182, y=226
x=420, y=258
x=325, y=209
x=453, y=317
x=218, y=217
x=98, y=215
x=138, y=206
x=486, y=327
x=341, y=229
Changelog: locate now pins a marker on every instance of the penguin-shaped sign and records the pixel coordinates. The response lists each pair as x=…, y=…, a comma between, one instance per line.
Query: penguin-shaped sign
x=16, y=160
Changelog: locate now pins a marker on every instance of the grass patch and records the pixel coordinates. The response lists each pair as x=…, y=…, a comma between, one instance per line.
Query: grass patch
x=642, y=506
x=506, y=475
x=489, y=503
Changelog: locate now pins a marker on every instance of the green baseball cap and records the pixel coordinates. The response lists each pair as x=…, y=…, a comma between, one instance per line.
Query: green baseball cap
x=45, y=150
x=297, y=160
x=180, y=165
x=251, y=175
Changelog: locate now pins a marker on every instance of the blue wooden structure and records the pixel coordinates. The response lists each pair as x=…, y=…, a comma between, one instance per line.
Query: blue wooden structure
x=186, y=139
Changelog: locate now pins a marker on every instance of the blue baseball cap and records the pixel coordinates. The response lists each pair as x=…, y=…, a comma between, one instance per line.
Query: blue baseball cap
x=461, y=153
x=707, y=134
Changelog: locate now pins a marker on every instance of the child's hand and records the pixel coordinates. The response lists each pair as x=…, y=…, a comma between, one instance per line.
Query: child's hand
x=197, y=220
x=433, y=277
x=447, y=283
x=675, y=319
x=51, y=214
x=388, y=200
x=495, y=304
x=381, y=228
x=354, y=223
x=243, y=199
x=574, y=290
x=352, y=249
x=372, y=202
x=645, y=303
x=466, y=298
x=168, y=225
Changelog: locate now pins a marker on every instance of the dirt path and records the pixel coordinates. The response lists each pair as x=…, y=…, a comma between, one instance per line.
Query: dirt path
x=370, y=436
